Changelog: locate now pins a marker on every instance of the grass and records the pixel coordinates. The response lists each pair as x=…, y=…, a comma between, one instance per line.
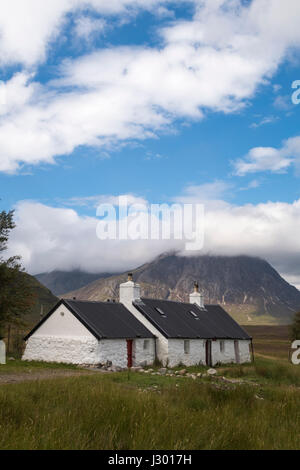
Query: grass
x=140, y=411
x=143, y=411
x=271, y=341
x=17, y=366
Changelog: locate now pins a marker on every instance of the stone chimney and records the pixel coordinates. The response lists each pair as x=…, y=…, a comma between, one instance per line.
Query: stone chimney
x=197, y=297
x=129, y=291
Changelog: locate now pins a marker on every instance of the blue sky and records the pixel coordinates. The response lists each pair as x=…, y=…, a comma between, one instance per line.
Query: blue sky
x=160, y=100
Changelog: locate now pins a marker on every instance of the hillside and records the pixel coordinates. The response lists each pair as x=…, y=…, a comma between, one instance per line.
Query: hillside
x=249, y=288
x=63, y=281
x=43, y=298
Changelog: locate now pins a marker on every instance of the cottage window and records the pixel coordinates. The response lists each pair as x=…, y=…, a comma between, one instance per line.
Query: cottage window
x=160, y=311
x=222, y=346
x=146, y=344
x=186, y=346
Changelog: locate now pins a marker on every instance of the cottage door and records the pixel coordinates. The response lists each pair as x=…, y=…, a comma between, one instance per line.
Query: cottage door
x=237, y=351
x=208, y=353
x=129, y=352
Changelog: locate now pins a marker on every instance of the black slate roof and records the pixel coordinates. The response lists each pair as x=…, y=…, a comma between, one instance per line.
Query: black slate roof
x=175, y=320
x=103, y=319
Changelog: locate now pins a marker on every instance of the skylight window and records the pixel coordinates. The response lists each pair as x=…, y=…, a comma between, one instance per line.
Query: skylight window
x=160, y=311
x=194, y=315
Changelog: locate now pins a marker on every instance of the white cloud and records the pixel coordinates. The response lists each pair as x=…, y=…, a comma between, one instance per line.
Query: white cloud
x=57, y=238
x=213, y=62
x=27, y=28
x=271, y=159
x=264, y=121
x=85, y=27
x=204, y=192
x=94, y=201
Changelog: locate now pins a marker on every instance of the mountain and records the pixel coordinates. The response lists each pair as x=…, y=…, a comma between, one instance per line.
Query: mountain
x=62, y=281
x=44, y=299
x=249, y=288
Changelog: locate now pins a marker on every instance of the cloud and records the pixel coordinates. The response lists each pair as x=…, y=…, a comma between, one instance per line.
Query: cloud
x=271, y=159
x=252, y=185
x=94, y=201
x=264, y=121
x=27, y=31
x=212, y=62
x=204, y=193
x=58, y=238
x=86, y=27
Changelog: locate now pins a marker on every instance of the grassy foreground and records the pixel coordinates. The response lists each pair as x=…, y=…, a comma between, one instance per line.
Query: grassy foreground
x=140, y=411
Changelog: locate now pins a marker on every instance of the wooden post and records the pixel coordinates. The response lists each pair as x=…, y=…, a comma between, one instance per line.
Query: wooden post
x=8, y=338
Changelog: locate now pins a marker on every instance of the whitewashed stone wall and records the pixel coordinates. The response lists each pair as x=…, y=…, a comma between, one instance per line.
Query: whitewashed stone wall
x=176, y=354
x=114, y=350
x=80, y=350
x=228, y=355
x=86, y=350
x=244, y=346
x=197, y=353
x=161, y=341
x=141, y=355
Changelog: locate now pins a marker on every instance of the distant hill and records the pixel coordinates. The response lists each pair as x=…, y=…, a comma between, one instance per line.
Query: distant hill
x=63, y=281
x=44, y=300
x=249, y=288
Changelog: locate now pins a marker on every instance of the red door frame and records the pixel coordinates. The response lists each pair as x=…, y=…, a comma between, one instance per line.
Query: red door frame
x=129, y=352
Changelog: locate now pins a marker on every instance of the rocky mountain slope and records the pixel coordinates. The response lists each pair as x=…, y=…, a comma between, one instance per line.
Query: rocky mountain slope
x=249, y=288
x=63, y=281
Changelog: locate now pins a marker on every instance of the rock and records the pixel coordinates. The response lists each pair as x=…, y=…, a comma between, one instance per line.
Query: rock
x=116, y=369
x=143, y=364
x=199, y=375
x=182, y=372
x=162, y=371
x=258, y=398
x=136, y=369
x=194, y=377
x=212, y=372
x=11, y=359
x=150, y=370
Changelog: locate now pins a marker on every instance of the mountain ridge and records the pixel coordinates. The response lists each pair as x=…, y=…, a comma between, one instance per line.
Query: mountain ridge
x=250, y=289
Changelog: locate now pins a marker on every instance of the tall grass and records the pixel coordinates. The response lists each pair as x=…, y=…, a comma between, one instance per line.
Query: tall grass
x=96, y=412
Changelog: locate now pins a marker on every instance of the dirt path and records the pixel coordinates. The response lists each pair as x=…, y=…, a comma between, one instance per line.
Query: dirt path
x=40, y=375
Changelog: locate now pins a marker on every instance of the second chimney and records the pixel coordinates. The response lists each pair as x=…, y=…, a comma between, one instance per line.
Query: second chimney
x=197, y=297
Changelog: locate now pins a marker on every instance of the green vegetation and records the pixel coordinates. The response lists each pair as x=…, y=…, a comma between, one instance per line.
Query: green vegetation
x=251, y=406
x=21, y=295
x=295, y=328
x=24, y=367
x=140, y=411
x=16, y=298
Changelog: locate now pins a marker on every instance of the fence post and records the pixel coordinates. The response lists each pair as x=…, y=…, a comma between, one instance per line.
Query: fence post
x=8, y=338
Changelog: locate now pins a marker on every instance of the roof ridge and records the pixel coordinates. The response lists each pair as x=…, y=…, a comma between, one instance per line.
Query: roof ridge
x=92, y=301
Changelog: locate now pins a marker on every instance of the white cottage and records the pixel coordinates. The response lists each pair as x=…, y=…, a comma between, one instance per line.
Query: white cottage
x=137, y=331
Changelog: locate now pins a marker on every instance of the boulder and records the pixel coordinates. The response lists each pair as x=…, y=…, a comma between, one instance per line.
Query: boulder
x=162, y=371
x=182, y=372
x=212, y=372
